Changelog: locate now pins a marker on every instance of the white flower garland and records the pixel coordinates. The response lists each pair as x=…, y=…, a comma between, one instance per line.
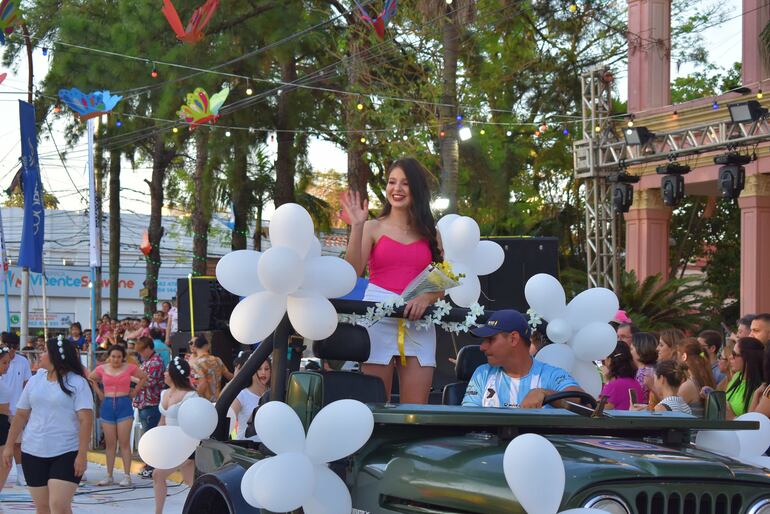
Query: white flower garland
x=534, y=319
x=388, y=306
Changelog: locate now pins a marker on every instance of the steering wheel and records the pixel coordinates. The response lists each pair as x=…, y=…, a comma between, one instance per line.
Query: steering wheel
x=585, y=398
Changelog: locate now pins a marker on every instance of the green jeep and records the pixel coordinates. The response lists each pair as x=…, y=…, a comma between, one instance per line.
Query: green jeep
x=447, y=459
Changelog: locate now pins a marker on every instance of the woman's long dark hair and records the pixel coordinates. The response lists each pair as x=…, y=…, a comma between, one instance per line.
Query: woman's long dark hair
x=420, y=214
x=66, y=361
x=179, y=371
x=697, y=365
x=751, y=352
x=621, y=363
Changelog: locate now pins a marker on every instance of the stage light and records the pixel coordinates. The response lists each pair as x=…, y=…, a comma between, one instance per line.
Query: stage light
x=732, y=179
x=672, y=189
x=638, y=136
x=622, y=191
x=746, y=111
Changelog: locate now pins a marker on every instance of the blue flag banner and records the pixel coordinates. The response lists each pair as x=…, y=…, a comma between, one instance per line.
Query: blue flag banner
x=33, y=229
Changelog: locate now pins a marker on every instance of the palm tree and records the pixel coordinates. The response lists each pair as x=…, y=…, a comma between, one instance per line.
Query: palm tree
x=655, y=304
x=453, y=14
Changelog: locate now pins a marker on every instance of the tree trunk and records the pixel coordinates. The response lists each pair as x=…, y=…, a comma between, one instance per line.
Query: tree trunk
x=240, y=196
x=161, y=158
x=258, y=230
x=450, y=152
x=286, y=155
x=114, y=230
x=358, y=170
x=200, y=225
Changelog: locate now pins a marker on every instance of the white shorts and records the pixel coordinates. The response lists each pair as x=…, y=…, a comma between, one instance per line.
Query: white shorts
x=420, y=343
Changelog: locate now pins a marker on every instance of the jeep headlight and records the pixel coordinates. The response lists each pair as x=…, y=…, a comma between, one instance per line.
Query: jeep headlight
x=611, y=504
x=760, y=507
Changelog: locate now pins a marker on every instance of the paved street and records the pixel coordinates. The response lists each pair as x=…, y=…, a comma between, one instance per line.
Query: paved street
x=103, y=500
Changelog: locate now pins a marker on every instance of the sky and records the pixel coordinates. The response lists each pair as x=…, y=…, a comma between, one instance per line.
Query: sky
x=723, y=42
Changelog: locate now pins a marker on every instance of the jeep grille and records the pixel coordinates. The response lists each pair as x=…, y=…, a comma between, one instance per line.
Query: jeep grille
x=688, y=503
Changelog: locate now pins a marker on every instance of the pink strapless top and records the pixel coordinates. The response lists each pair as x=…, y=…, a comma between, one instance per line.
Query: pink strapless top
x=392, y=265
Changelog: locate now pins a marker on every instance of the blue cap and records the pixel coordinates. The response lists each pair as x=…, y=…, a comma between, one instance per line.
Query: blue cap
x=507, y=320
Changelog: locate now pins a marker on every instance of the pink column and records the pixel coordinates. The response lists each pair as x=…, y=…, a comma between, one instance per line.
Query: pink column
x=755, y=245
x=649, y=54
x=755, y=18
x=647, y=235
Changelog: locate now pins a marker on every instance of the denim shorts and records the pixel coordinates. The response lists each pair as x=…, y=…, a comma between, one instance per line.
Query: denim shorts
x=114, y=410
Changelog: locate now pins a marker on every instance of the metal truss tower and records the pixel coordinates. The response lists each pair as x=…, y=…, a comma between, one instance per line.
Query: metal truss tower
x=602, y=226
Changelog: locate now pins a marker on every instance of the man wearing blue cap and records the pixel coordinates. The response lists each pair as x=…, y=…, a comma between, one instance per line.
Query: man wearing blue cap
x=512, y=378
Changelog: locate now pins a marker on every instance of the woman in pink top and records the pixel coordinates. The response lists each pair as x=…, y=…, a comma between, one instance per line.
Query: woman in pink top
x=117, y=413
x=620, y=372
x=397, y=246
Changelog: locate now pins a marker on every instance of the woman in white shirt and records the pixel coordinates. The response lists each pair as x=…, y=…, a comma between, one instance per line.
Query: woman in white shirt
x=244, y=404
x=5, y=409
x=177, y=378
x=56, y=413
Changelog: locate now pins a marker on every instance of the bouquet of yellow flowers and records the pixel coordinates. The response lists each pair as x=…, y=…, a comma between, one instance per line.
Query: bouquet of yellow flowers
x=437, y=276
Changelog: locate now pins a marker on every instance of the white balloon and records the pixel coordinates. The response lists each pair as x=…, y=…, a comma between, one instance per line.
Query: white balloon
x=281, y=270
x=279, y=428
x=754, y=442
x=487, y=258
x=256, y=316
x=331, y=277
x=237, y=272
x=444, y=223
x=291, y=226
x=557, y=354
x=462, y=238
x=338, y=430
x=284, y=482
x=166, y=447
x=198, y=418
x=312, y=315
x=248, y=485
x=468, y=292
x=315, y=249
x=545, y=296
x=331, y=495
x=723, y=442
x=760, y=461
x=535, y=473
x=587, y=375
x=594, y=341
x=592, y=305
x=559, y=330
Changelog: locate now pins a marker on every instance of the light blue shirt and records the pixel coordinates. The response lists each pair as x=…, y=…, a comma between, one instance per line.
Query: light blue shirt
x=162, y=350
x=492, y=387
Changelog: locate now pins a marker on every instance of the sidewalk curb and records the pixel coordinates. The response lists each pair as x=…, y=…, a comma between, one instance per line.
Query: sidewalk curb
x=98, y=457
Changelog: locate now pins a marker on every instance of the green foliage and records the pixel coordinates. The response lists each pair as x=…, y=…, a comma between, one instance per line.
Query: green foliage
x=656, y=304
x=710, y=81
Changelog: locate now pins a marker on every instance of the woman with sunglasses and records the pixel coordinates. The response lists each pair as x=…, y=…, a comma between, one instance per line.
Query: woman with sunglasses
x=746, y=364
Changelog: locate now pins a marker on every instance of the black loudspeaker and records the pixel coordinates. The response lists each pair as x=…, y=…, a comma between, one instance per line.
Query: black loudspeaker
x=524, y=257
x=212, y=305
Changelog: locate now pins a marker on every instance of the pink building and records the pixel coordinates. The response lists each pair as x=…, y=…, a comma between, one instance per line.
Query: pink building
x=649, y=99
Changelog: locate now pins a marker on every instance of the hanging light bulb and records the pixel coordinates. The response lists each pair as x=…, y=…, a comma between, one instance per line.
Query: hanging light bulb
x=459, y=117
x=630, y=123
x=572, y=8
x=565, y=131
x=509, y=133
x=597, y=129
x=449, y=2
x=482, y=132
x=465, y=133
x=118, y=123
x=175, y=130
x=154, y=72
x=227, y=133
x=760, y=95
x=441, y=134
x=405, y=137
x=360, y=106
x=45, y=51
x=715, y=105
x=363, y=139
x=249, y=91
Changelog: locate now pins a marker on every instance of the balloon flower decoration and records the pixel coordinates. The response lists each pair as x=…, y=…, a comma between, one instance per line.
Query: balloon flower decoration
x=168, y=446
x=145, y=246
x=535, y=473
x=9, y=17
x=460, y=236
x=581, y=329
x=291, y=275
x=89, y=105
x=200, y=109
x=2, y=77
x=298, y=475
x=198, y=21
x=747, y=446
x=381, y=21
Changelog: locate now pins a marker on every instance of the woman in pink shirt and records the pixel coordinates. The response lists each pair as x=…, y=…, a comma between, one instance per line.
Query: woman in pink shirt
x=117, y=413
x=621, y=379
x=396, y=247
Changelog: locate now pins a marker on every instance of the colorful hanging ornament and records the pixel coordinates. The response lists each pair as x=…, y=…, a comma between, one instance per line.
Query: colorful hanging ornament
x=9, y=17
x=2, y=77
x=146, y=246
x=198, y=21
x=89, y=105
x=379, y=23
x=200, y=108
